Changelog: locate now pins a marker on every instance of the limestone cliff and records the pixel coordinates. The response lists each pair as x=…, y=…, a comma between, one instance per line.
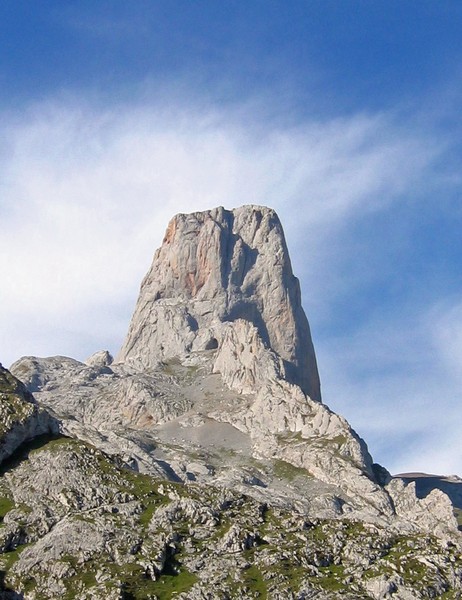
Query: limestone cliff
x=215, y=267
x=76, y=523
x=202, y=463
x=219, y=353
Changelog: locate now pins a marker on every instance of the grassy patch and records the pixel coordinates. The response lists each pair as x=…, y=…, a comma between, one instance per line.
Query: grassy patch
x=401, y=559
x=339, y=440
x=148, y=512
x=174, y=368
x=294, y=575
x=450, y=595
x=174, y=580
x=332, y=578
x=167, y=585
x=287, y=471
x=253, y=579
x=7, y=559
x=40, y=442
x=136, y=584
x=130, y=481
x=6, y=504
x=219, y=531
x=85, y=577
x=54, y=443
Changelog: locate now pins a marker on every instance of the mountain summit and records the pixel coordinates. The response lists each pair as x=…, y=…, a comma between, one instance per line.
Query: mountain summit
x=201, y=463
x=220, y=266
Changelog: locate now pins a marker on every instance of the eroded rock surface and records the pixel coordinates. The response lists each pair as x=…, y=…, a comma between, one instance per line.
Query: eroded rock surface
x=215, y=267
x=21, y=419
x=203, y=458
x=77, y=524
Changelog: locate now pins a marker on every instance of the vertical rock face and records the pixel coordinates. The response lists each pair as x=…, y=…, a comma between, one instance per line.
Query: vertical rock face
x=216, y=267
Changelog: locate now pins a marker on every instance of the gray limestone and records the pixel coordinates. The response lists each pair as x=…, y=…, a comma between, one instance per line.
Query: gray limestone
x=216, y=267
x=21, y=419
x=204, y=454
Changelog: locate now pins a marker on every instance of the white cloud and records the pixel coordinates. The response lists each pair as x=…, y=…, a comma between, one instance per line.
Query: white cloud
x=398, y=382
x=87, y=193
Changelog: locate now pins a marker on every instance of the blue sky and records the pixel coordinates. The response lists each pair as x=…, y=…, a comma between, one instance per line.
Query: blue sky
x=344, y=115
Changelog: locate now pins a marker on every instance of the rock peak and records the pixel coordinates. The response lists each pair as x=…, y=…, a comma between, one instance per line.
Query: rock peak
x=218, y=267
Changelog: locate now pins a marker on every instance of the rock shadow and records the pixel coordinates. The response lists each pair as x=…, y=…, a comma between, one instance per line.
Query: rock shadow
x=424, y=484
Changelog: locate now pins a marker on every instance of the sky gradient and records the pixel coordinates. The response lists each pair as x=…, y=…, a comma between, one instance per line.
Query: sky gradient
x=343, y=115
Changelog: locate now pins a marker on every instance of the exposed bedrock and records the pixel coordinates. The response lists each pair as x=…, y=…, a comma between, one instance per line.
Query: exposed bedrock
x=215, y=267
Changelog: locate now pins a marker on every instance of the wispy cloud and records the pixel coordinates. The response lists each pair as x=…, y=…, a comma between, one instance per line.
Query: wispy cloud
x=398, y=380
x=87, y=192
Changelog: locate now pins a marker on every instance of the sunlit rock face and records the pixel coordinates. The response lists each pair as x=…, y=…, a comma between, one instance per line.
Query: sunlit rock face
x=215, y=399
x=218, y=267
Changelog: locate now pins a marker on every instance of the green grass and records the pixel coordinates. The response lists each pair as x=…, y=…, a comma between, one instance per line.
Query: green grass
x=169, y=584
x=293, y=574
x=85, y=577
x=287, y=471
x=399, y=559
x=54, y=443
x=332, y=578
x=174, y=580
x=6, y=504
x=136, y=584
x=339, y=440
x=7, y=559
x=174, y=368
x=30, y=446
x=148, y=512
x=253, y=579
x=450, y=595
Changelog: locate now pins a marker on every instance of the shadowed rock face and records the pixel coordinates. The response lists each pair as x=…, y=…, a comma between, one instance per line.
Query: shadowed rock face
x=21, y=419
x=215, y=267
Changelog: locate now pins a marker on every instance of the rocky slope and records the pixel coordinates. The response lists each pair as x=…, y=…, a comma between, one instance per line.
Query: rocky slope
x=77, y=524
x=202, y=463
x=21, y=419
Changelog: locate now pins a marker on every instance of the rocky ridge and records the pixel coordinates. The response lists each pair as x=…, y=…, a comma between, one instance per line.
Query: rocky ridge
x=81, y=525
x=209, y=394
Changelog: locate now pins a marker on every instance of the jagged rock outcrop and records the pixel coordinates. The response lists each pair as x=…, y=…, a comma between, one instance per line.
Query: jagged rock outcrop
x=251, y=487
x=21, y=419
x=103, y=358
x=108, y=406
x=220, y=301
x=215, y=267
x=77, y=524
